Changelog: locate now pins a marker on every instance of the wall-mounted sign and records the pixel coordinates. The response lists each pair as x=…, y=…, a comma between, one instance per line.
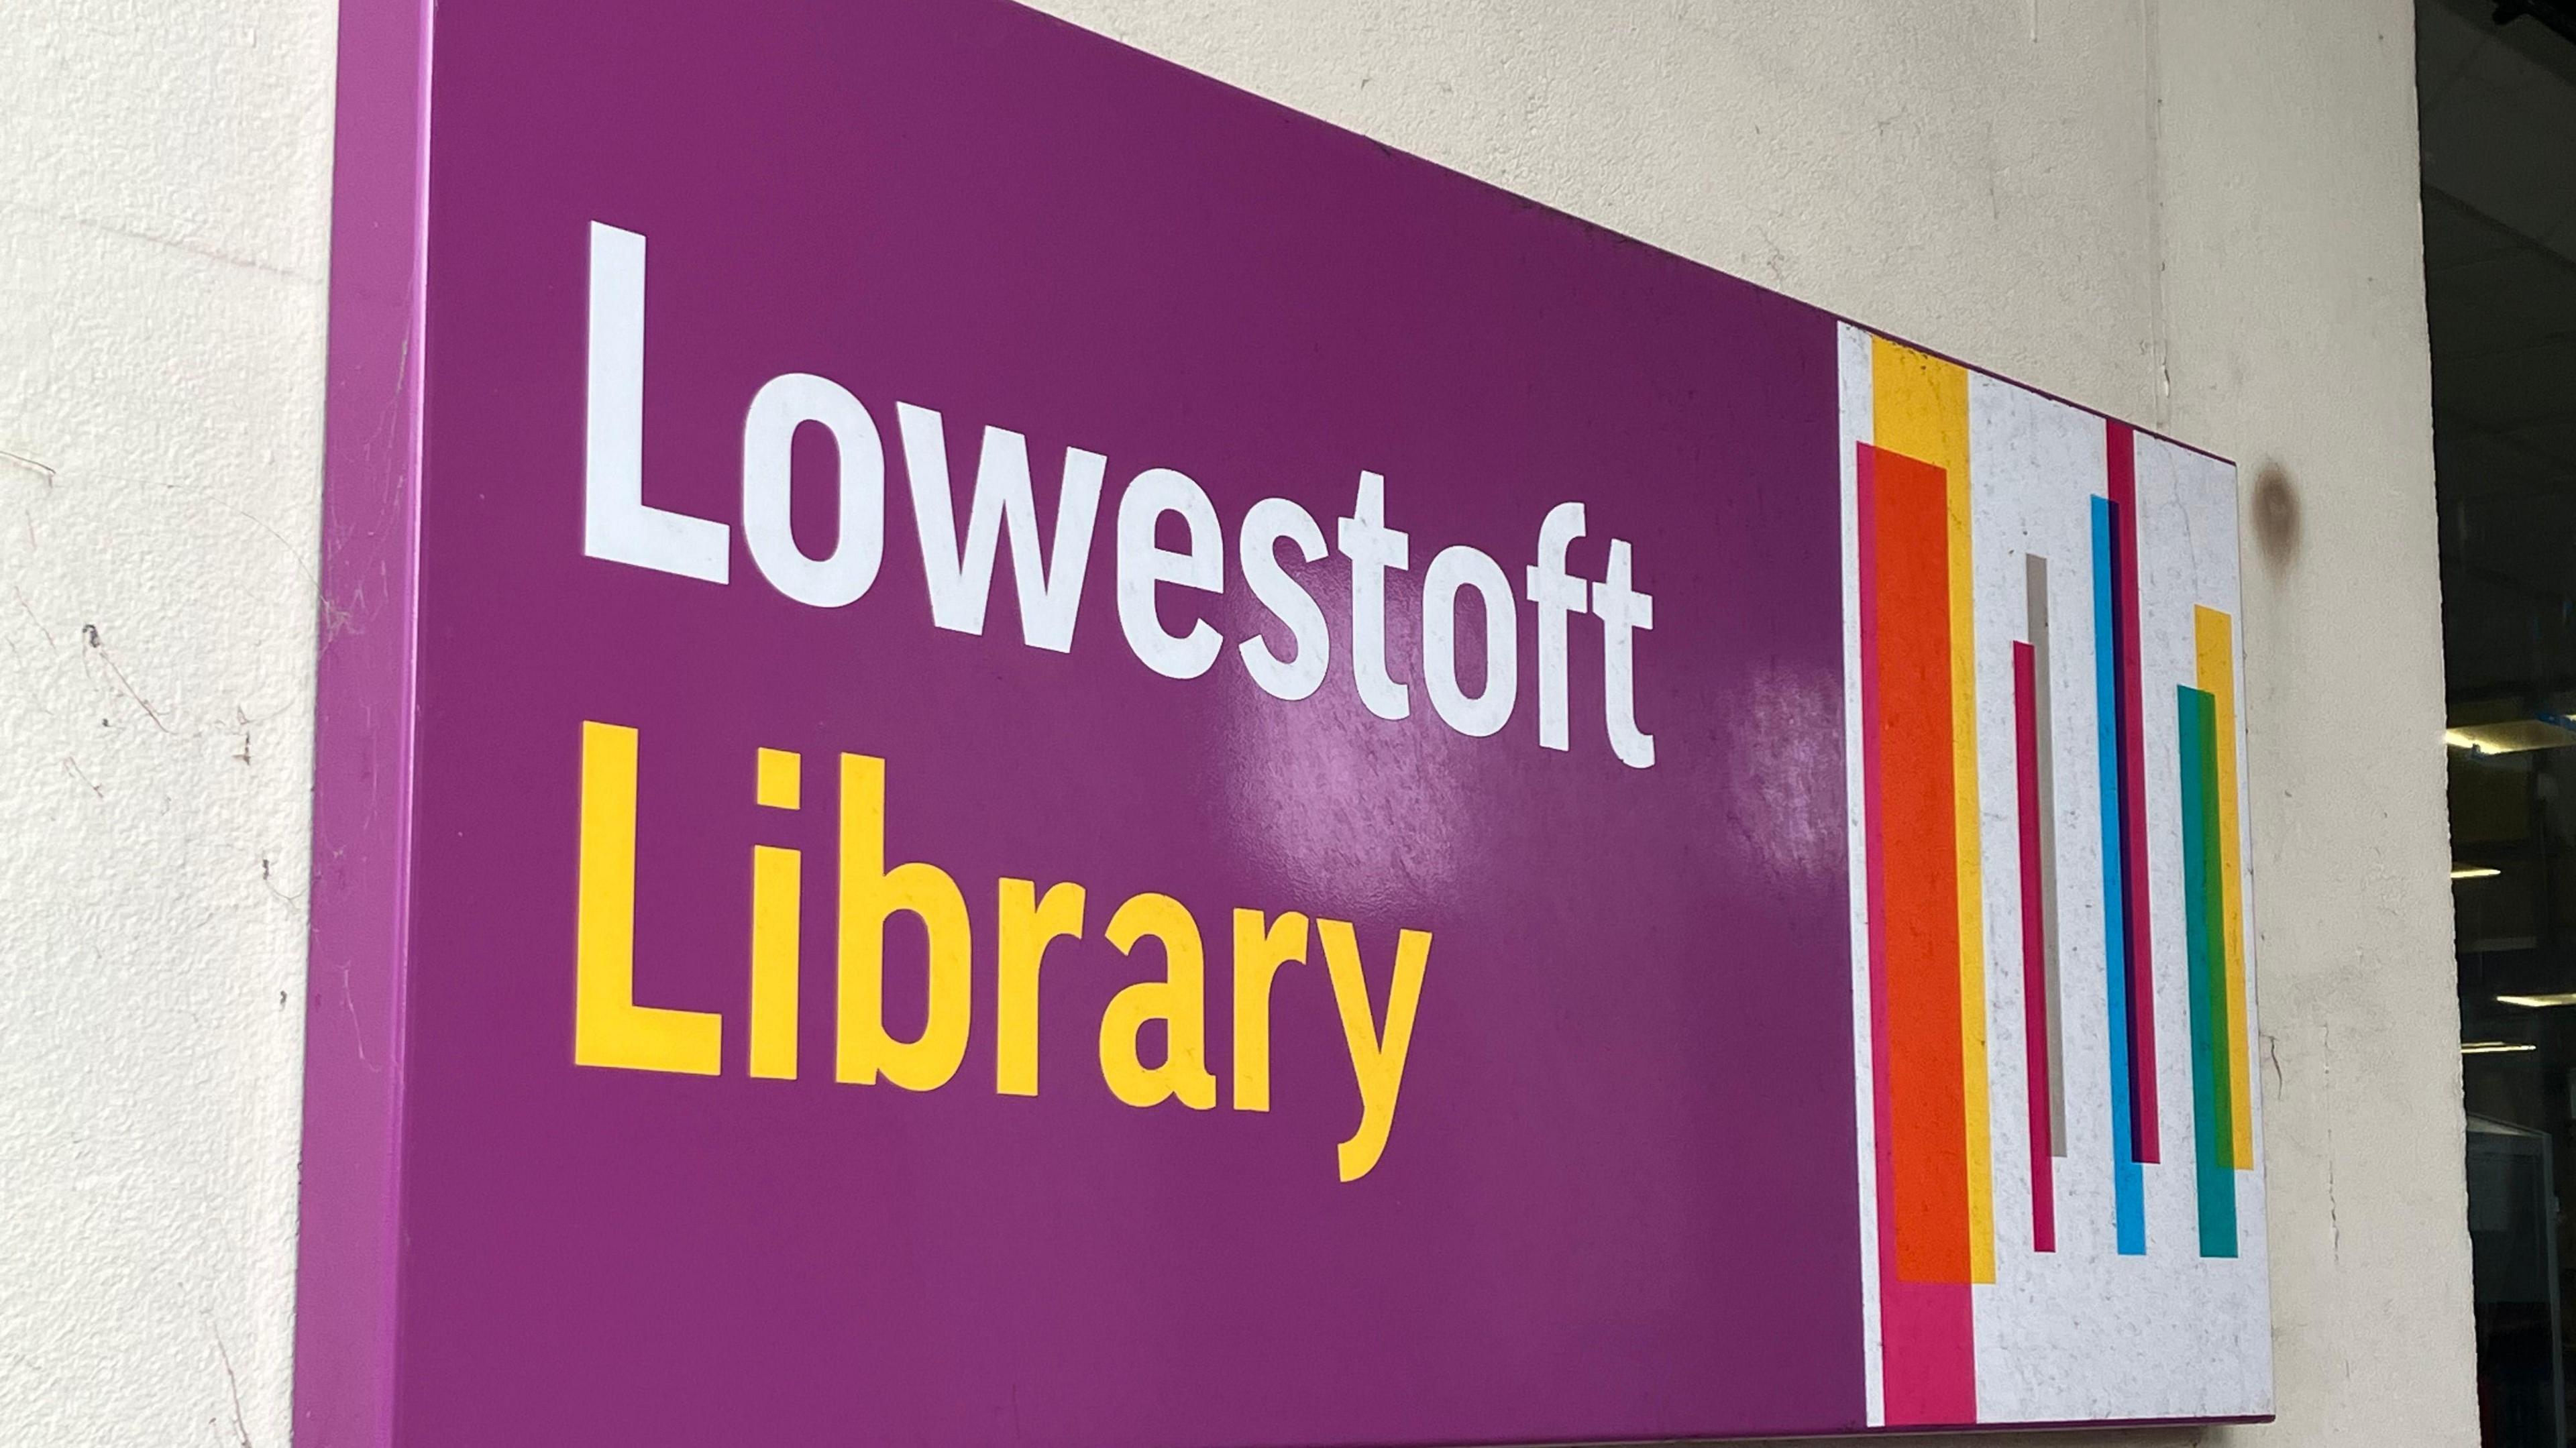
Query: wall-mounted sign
x=1015, y=748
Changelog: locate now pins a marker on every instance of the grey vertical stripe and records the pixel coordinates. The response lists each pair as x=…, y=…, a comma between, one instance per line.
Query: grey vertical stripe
x=2044, y=707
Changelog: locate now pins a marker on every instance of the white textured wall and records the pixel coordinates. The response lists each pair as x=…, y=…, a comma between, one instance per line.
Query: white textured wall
x=164, y=188
x=2197, y=214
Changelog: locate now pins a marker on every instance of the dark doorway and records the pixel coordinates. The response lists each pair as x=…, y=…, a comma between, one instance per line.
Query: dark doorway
x=2497, y=90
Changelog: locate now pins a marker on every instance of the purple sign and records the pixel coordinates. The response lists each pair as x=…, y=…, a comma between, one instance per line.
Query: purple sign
x=1016, y=748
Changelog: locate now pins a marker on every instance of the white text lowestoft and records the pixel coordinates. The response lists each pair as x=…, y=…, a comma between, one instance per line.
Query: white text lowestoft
x=620, y=526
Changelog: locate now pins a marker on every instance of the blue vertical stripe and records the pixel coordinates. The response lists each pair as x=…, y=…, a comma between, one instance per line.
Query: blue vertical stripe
x=2128, y=1181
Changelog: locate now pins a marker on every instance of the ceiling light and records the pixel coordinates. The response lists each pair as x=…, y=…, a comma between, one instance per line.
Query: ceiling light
x=2494, y=1048
x=2509, y=736
x=2474, y=872
x=2538, y=1002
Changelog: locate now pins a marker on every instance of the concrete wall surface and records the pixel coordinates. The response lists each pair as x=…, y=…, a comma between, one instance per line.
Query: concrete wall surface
x=2198, y=215
x=164, y=200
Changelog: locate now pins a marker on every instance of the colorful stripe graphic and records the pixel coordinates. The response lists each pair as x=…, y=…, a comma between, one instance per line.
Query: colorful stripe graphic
x=2213, y=638
x=1968, y=600
x=2036, y=998
x=2128, y=1182
x=2137, y=945
x=1928, y=1351
x=2204, y=909
x=1921, y=412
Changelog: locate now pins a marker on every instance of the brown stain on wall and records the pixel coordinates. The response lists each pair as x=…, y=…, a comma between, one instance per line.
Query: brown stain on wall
x=2275, y=506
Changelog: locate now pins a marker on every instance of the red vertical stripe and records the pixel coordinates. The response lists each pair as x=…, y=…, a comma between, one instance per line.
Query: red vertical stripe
x=2120, y=444
x=1927, y=1333
x=2034, y=951
x=1918, y=838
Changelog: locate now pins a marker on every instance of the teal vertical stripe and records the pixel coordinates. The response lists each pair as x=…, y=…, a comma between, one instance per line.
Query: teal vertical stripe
x=2128, y=1180
x=2212, y=1126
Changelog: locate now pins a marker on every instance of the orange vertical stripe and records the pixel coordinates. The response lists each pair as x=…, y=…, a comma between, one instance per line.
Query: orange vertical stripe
x=1918, y=842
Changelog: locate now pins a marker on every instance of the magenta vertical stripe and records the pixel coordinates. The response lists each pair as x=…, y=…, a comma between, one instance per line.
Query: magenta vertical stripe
x=2034, y=951
x=2121, y=455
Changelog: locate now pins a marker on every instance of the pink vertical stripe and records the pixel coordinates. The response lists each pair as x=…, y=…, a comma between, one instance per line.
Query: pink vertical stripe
x=2034, y=951
x=2121, y=453
x=1927, y=1337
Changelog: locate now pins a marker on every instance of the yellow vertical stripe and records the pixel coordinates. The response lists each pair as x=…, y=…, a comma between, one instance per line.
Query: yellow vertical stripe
x=2214, y=634
x=1920, y=409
